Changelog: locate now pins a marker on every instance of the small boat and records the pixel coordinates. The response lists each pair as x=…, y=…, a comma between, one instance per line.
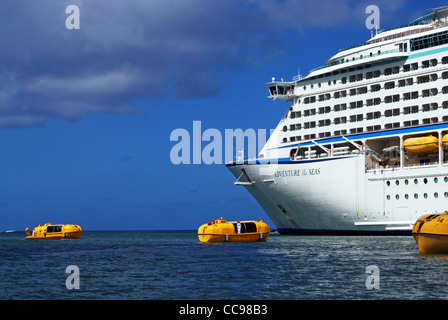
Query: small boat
x=50, y=231
x=431, y=233
x=233, y=231
x=417, y=145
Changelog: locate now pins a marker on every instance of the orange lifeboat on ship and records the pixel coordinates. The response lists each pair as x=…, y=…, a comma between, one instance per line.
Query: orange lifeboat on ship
x=445, y=142
x=426, y=144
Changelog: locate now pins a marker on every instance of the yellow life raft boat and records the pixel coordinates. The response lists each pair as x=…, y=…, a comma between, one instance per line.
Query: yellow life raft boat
x=445, y=142
x=50, y=231
x=417, y=145
x=431, y=233
x=233, y=231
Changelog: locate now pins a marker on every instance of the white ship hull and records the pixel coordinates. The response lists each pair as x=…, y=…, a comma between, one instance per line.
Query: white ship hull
x=338, y=196
x=363, y=147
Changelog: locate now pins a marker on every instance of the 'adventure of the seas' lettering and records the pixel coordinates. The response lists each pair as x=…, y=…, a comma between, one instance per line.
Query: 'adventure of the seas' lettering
x=297, y=173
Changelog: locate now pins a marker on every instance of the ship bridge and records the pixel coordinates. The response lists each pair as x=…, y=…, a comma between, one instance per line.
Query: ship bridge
x=281, y=90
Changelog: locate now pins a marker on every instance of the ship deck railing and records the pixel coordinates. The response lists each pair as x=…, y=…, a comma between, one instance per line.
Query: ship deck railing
x=342, y=61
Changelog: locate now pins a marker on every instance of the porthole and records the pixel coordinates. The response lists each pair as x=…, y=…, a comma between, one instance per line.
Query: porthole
x=425, y=181
x=388, y=183
x=388, y=197
x=415, y=181
x=397, y=182
x=436, y=180
x=445, y=179
x=406, y=182
x=446, y=194
x=415, y=196
x=425, y=195
x=397, y=197
x=436, y=195
x=406, y=196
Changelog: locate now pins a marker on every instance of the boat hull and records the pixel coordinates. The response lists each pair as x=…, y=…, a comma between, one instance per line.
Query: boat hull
x=432, y=243
x=57, y=236
x=252, y=237
x=431, y=233
x=340, y=196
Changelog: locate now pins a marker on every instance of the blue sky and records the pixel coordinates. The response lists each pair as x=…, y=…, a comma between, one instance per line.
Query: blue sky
x=86, y=115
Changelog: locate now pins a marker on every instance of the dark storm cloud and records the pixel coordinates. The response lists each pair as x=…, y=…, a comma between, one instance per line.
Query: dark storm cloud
x=129, y=50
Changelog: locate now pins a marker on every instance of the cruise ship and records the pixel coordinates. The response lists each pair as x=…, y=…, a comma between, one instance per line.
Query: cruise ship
x=363, y=145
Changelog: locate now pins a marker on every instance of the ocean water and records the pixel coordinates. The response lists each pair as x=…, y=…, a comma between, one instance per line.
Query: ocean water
x=155, y=265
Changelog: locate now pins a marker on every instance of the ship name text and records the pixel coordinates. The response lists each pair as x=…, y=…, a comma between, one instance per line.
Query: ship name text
x=297, y=173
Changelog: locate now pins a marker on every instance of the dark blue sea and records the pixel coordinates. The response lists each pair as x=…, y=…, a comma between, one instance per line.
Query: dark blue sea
x=174, y=265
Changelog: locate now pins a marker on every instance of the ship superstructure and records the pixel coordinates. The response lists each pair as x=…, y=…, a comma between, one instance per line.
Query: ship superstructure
x=361, y=148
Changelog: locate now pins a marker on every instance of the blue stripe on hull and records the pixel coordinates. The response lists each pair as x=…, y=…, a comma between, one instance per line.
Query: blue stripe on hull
x=362, y=136
x=284, y=161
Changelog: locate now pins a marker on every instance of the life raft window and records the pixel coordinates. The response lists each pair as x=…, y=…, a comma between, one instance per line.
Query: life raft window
x=54, y=229
x=246, y=227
